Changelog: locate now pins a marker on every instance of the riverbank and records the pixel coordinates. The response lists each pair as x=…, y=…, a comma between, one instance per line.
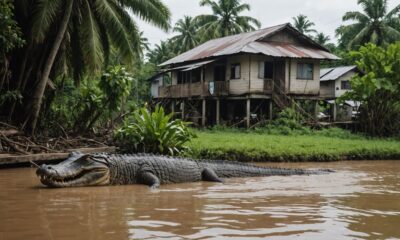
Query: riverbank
x=319, y=146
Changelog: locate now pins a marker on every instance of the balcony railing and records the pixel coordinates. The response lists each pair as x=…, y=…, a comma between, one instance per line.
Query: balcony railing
x=206, y=89
x=194, y=90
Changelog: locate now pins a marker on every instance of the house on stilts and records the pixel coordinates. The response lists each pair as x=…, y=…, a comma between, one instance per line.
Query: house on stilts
x=241, y=79
x=335, y=82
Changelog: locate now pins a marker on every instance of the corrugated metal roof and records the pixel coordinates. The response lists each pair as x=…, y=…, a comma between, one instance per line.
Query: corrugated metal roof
x=251, y=43
x=331, y=74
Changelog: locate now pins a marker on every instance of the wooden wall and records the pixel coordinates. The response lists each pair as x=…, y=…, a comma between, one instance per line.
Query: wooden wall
x=304, y=87
x=249, y=67
x=327, y=89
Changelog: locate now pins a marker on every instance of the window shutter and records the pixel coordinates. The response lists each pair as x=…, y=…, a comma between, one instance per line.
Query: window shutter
x=237, y=71
x=261, y=69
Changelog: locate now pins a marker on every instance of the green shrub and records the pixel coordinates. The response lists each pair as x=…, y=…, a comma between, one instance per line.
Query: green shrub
x=154, y=132
x=288, y=122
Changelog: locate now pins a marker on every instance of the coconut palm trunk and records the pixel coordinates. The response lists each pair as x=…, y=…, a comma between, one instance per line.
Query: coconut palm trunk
x=33, y=115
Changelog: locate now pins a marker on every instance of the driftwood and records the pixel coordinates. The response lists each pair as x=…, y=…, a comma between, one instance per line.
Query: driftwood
x=17, y=148
x=11, y=132
x=13, y=145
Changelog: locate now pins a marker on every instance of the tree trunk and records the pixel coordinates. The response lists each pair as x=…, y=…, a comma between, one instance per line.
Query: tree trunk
x=41, y=86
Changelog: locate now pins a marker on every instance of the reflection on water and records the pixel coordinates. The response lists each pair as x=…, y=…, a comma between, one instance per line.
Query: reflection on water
x=359, y=201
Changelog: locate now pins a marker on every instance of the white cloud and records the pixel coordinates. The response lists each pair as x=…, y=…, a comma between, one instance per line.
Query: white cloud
x=326, y=14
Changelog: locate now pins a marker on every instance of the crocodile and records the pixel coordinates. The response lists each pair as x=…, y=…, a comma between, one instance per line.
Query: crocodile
x=115, y=169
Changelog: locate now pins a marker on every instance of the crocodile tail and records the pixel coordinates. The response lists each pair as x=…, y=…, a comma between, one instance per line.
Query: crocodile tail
x=227, y=169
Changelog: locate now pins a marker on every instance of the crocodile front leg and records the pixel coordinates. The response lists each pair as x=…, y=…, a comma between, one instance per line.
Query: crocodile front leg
x=209, y=175
x=149, y=179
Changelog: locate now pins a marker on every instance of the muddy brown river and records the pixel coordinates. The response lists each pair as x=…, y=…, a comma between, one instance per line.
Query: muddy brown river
x=361, y=200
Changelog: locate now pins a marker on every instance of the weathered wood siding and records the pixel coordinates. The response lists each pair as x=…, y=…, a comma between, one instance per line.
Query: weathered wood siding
x=338, y=85
x=304, y=87
x=257, y=84
x=284, y=37
x=250, y=82
x=174, y=78
x=241, y=85
x=327, y=89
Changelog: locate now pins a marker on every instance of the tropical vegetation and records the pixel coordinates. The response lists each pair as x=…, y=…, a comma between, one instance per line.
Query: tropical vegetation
x=226, y=19
x=69, y=39
x=375, y=24
x=378, y=89
x=153, y=132
x=304, y=25
x=187, y=34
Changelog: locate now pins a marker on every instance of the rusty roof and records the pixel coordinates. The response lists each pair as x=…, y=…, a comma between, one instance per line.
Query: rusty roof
x=253, y=42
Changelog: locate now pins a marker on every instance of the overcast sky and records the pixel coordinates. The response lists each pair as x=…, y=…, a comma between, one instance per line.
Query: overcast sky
x=326, y=14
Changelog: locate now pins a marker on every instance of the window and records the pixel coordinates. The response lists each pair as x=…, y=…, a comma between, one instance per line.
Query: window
x=235, y=71
x=345, y=85
x=180, y=77
x=266, y=70
x=305, y=71
x=196, y=75
x=184, y=77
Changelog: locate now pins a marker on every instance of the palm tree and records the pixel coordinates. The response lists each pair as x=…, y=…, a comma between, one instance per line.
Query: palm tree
x=66, y=36
x=304, y=25
x=187, y=38
x=225, y=20
x=322, y=39
x=143, y=43
x=161, y=52
x=375, y=24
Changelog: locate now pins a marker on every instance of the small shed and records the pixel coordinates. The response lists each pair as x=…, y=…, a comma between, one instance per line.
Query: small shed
x=336, y=81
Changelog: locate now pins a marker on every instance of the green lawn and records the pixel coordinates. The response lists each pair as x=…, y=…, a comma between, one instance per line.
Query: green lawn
x=252, y=146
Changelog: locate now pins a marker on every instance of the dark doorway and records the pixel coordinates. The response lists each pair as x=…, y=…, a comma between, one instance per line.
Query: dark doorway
x=279, y=78
x=219, y=73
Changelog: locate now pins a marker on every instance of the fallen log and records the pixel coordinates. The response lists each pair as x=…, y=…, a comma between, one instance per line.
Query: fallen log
x=11, y=159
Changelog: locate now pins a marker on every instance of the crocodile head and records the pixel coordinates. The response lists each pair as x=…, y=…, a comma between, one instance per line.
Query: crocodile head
x=78, y=170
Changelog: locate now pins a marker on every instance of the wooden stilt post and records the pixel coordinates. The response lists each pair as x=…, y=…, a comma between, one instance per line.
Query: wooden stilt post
x=270, y=109
x=218, y=116
x=183, y=109
x=203, y=114
x=334, y=112
x=173, y=106
x=316, y=109
x=248, y=112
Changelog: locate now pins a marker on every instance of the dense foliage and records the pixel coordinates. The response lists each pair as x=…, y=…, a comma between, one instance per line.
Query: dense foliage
x=72, y=39
x=96, y=102
x=376, y=24
x=153, y=132
x=10, y=38
x=10, y=33
x=378, y=89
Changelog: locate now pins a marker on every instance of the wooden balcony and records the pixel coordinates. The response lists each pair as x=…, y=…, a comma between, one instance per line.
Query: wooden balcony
x=194, y=90
x=211, y=89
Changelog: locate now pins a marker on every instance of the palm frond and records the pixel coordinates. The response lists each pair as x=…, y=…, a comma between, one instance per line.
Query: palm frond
x=44, y=14
x=152, y=11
